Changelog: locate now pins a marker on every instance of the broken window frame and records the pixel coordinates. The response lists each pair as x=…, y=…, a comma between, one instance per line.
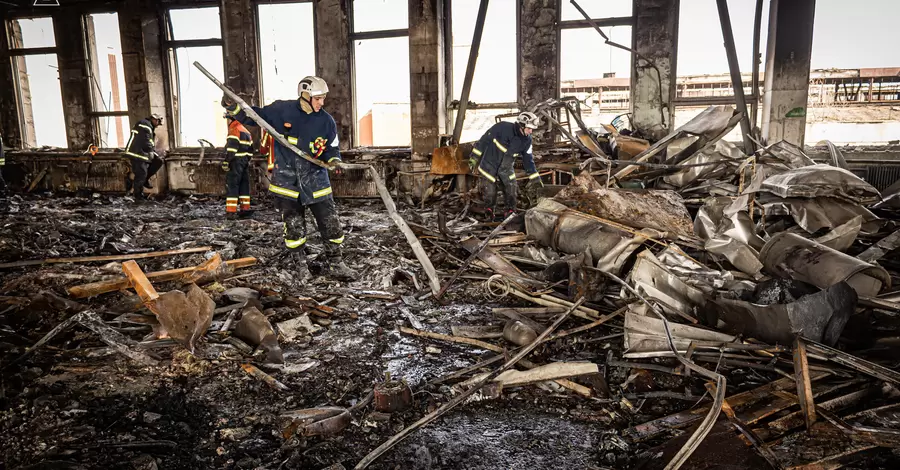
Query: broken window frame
x=93, y=88
x=170, y=65
x=362, y=36
x=586, y=24
x=259, y=42
x=27, y=134
x=452, y=99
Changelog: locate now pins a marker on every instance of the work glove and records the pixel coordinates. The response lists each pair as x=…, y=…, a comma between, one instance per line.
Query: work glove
x=226, y=165
x=533, y=190
x=534, y=184
x=473, y=162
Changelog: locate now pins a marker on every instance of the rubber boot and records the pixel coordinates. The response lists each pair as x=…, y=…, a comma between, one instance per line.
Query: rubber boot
x=246, y=214
x=301, y=269
x=338, y=270
x=231, y=216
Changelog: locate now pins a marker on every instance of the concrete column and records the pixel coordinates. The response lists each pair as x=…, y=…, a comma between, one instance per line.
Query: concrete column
x=652, y=93
x=426, y=75
x=9, y=116
x=539, y=49
x=142, y=61
x=241, y=55
x=788, y=60
x=70, y=40
x=333, y=63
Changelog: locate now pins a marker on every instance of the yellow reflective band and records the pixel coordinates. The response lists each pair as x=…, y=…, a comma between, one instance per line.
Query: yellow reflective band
x=237, y=109
x=137, y=156
x=146, y=127
x=499, y=146
x=515, y=154
x=245, y=198
x=230, y=199
x=476, y=152
x=231, y=150
x=234, y=137
x=337, y=241
x=231, y=204
x=270, y=167
x=512, y=176
x=322, y=192
x=284, y=191
x=246, y=142
x=534, y=175
x=294, y=243
x=292, y=140
x=487, y=175
x=333, y=159
x=245, y=154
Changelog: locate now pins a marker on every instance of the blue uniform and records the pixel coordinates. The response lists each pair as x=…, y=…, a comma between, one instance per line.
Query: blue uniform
x=294, y=178
x=498, y=148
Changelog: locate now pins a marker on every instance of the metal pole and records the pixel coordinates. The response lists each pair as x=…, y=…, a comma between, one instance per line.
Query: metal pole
x=754, y=81
x=736, y=80
x=470, y=71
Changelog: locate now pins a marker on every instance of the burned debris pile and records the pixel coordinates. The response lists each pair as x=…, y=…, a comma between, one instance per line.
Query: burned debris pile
x=682, y=304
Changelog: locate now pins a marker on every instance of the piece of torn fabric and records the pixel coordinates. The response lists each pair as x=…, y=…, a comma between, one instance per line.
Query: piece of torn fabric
x=791, y=256
x=723, y=151
x=821, y=181
x=654, y=280
x=820, y=316
x=818, y=213
x=555, y=225
x=646, y=336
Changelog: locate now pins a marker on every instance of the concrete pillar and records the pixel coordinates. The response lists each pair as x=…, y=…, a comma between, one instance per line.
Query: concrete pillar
x=70, y=40
x=142, y=61
x=539, y=51
x=241, y=55
x=9, y=116
x=652, y=94
x=333, y=63
x=426, y=75
x=788, y=61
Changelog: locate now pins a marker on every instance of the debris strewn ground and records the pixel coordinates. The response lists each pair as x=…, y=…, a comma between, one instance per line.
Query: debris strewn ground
x=720, y=306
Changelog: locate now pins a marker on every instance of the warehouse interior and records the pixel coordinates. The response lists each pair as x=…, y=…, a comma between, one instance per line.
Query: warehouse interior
x=701, y=277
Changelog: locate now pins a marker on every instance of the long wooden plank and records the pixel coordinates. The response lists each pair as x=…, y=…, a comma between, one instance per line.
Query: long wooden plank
x=88, y=259
x=804, y=386
x=102, y=287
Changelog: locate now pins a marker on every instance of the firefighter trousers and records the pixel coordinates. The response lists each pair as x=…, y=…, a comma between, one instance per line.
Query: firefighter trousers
x=506, y=177
x=293, y=213
x=237, y=183
x=143, y=170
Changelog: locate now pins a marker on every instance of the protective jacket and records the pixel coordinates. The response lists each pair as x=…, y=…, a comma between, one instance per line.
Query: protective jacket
x=239, y=143
x=294, y=178
x=498, y=149
x=141, y=143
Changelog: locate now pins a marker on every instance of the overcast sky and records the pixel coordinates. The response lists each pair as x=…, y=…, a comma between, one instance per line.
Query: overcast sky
x=847, y=34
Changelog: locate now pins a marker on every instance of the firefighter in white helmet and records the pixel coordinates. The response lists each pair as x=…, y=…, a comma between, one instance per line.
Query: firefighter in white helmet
x=297, y=183
x=498, y=148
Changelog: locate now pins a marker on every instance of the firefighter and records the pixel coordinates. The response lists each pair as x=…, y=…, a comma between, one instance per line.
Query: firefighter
x=238, y=151
x=2, y=164
x=298, y=184
x=498, y=148
x=145, y=162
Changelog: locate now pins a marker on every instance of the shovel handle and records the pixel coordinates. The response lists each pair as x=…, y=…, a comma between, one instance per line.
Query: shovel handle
x=139, y=281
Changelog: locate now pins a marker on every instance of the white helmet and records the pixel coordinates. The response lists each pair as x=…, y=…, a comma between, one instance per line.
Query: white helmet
x=315, y=86
x=528, y=119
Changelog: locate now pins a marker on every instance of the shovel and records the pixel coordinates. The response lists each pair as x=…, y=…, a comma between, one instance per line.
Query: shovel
x=183, y=317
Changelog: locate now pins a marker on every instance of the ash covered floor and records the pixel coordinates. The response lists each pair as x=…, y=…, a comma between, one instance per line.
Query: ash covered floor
x=77, y=404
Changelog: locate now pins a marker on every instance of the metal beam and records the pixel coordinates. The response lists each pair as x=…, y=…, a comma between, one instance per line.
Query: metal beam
x=174, y=44
x=32, y=51
x=754, y=79
x=602, y=22
x=470, y=71
x=383, y=34
x=736, y=80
